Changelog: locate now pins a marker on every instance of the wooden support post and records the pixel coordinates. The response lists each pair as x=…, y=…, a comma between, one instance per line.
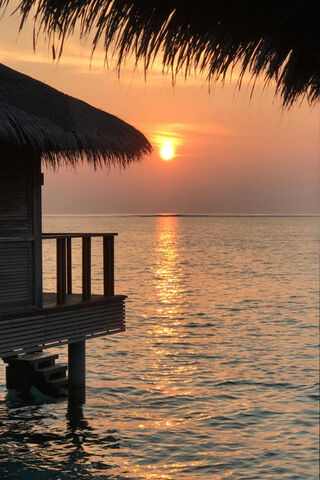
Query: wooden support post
x=77, y=372
x=108, y=266
x=86, y=268
x=61, y=270
x=37, y=245
x=69, y=266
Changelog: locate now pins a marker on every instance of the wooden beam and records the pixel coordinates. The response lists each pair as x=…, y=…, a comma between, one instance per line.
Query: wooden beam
x=108, y=266
x=86, y=268
x=69, y=266
x=49, y=236
x=61, y=270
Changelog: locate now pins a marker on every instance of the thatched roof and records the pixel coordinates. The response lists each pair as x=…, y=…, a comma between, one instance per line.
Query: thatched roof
x=276, y=38
x=38, y=118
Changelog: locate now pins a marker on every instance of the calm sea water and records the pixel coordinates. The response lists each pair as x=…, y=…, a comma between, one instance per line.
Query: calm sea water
x=216, y=375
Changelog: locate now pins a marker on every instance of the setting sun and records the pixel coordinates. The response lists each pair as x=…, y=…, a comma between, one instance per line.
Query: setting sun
x=166, y=151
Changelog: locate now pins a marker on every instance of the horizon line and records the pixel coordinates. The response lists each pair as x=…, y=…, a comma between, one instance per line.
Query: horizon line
x=181, y=214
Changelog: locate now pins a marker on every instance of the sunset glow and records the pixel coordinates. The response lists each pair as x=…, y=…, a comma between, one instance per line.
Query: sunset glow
x=175, y=147
x=166, y=151
x=216, y=153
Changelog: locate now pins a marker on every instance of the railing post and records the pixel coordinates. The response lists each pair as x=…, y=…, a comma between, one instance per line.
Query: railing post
x=86, y=268
x=61, y=270
x=69, y=266
x=108, y=266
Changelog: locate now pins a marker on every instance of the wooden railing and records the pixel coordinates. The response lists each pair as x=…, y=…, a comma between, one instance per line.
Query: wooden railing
x=64, y=263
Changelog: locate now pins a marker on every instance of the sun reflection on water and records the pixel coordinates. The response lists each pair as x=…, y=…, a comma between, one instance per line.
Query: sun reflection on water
x=168, y=374
x=167, y=274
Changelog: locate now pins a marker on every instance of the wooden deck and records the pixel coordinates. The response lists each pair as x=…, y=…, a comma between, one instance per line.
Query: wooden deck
x=50, y=300
x=44, y=320
x=53, y=324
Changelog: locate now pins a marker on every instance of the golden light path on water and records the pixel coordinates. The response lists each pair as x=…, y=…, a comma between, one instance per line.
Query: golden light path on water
x=169, y=291
x=170, y=379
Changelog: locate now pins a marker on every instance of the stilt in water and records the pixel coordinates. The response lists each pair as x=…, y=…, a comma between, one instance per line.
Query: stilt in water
x=77, y=372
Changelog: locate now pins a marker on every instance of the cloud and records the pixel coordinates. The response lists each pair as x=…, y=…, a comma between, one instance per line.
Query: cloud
x=179, y=133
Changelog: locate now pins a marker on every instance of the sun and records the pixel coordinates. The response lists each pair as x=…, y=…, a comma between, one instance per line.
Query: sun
x=166, y=151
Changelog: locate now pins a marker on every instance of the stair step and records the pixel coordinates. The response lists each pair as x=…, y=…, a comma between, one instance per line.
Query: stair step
x=52, y=368
x=38, y=369
x=58, y=382
x=35, y=357
x=53, y=371
x=36, y=360
x=9, y=359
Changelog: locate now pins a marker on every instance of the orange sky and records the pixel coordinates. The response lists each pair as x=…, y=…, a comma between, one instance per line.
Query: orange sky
x=233, y=154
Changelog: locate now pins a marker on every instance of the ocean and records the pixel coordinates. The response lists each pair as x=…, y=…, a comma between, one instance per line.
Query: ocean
x=216, y=376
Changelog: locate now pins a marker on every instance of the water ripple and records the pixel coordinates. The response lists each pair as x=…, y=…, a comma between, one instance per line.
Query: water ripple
x=216, y=377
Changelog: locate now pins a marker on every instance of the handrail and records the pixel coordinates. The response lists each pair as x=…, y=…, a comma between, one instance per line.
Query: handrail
x=64, y=263
x=46, y=236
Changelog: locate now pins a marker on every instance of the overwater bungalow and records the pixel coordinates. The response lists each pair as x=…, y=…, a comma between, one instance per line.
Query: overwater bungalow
x=39, y=125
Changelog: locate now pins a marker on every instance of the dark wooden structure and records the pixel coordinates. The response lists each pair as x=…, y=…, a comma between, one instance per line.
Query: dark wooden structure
x=63, y=317
x=31, y=320
x=20, y=233
x=38, y=123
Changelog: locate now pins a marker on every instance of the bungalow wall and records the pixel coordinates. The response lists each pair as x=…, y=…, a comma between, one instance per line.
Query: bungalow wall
x=20, y=231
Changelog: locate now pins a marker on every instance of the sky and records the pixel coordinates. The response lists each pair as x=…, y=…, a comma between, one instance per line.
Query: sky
x=232, y=154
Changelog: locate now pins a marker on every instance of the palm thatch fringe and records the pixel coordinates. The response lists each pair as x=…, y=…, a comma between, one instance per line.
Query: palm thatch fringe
x=37, y=118
x=276, y=38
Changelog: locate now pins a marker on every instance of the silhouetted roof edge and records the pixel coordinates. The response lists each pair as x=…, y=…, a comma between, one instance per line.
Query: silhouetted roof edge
x=40, y=119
